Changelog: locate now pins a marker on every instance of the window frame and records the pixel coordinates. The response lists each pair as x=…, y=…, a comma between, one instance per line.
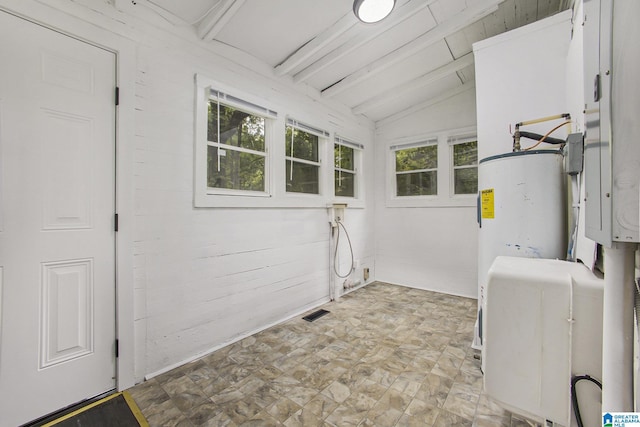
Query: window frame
x=276, y=195
x=357, y=200
x=431, y=142
x=203, y=195
x=323, y=137
x=445, y=192
x=453, y=141
x=219, y=145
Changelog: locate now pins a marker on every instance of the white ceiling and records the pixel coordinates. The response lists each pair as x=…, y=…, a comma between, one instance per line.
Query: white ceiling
x=418, y=55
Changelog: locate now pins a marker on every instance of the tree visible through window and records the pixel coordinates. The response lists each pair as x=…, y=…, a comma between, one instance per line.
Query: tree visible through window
x=345, y=171
x=302, y=161
x=465, y=167
x=236, y=153
x=417, y=171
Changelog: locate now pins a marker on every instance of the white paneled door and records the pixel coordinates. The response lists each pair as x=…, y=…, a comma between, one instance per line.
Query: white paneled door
x=57, y=238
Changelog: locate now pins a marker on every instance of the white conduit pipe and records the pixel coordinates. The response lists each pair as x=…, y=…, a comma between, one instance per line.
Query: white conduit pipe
x=617, y=342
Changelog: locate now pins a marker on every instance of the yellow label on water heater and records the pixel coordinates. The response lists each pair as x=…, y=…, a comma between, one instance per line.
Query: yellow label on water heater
x=486, y=203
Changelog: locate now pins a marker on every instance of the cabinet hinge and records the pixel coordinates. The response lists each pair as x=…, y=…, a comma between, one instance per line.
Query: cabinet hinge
x=115, y=222
x=117, y=95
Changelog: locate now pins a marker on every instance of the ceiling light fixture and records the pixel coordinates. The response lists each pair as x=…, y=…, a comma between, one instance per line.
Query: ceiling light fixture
x=370, y=11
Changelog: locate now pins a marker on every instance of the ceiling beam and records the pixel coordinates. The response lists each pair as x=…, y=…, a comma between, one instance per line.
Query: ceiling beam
x=170, y=17
x=408, y=10
x=428, y=103
x=413, y=85
x=470, y=15
x=121, y=4
x=217, y=18
x=306, y=51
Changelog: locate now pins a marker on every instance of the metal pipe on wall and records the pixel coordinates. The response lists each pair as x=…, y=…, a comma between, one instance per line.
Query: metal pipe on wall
x=617, y=340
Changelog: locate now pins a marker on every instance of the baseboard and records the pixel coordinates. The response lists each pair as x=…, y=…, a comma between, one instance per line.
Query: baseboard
x=202, y=354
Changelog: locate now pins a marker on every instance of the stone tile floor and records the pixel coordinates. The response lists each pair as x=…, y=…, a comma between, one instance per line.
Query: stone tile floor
x=385, y=356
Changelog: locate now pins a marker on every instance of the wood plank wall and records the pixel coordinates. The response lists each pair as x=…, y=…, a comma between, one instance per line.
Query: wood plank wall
x=214, y=275
x=204, y=277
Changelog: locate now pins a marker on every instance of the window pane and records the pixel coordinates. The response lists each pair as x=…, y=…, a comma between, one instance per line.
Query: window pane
x=305, y=178
x=237, y=128
x=343, y=157
x=465, y=180
x=238, y=171
x=465, y=154
x=417, y=184
x=417, y=158
x=305, y=145
x=344, y=184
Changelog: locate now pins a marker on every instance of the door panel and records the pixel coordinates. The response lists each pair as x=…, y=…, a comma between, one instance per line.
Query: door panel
x=67, y=201
x=57, y=243
x=67, y=311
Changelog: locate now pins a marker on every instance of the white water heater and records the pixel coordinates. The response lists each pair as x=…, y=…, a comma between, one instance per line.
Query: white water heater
x=521, y=211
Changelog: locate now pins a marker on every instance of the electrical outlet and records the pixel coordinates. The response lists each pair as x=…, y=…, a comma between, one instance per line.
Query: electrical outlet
x=365, y=273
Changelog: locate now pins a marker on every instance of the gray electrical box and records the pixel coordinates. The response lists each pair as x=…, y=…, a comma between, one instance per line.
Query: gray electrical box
x=612, y=118
x=573, y=151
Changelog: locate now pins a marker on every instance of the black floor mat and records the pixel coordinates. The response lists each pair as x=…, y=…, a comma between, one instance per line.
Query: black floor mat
x=118, y=410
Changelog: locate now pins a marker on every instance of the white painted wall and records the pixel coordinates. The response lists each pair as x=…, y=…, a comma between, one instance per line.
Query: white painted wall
x=574, y=70
x=204, y=277
x=211, y=276
x=575, y=87
x=433, y=248
x=520, y=75
x=523, y=77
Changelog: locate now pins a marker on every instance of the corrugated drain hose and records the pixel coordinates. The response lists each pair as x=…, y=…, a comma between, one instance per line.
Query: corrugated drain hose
x=574, y=396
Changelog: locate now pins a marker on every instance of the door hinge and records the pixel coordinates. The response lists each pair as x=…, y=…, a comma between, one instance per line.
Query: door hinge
x=115, y=222
x=117, y=95
x=117, y=348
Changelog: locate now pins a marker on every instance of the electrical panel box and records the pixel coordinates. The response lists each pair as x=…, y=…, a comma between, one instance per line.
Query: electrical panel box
x=573, y=154
x=612, y=108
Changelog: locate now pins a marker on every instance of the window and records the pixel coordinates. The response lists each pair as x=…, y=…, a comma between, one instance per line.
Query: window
x=416, y=170
x=346, y=155
x=247, y=155
x=465, y=166
x=433, y=170
x=344, y=174
x=236, y=149
x=233, y=140
x=302, y=157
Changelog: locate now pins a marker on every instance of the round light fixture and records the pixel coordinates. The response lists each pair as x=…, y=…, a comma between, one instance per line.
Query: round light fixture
x=370, y=11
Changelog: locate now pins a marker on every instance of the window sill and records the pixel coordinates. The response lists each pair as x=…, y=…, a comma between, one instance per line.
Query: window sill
x=350, y=202
x=432, y=202
x=288, y=201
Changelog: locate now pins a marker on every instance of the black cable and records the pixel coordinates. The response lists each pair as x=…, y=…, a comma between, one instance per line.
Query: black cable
x=574, y=395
